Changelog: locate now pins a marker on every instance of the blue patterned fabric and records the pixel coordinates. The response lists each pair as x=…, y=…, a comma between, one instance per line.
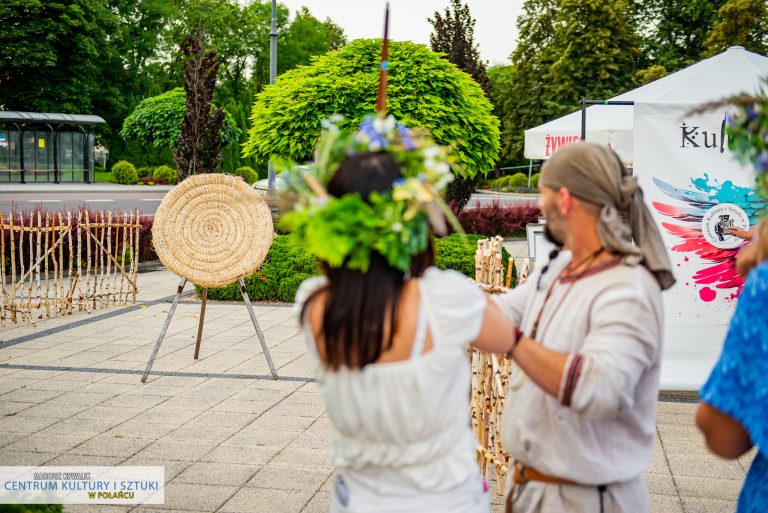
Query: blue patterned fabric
x=738, y=384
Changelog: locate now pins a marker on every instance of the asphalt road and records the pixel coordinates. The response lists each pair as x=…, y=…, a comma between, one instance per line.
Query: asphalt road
x=148, y=201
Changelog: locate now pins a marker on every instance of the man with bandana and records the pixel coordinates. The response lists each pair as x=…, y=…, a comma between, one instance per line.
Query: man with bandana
x=579, y=418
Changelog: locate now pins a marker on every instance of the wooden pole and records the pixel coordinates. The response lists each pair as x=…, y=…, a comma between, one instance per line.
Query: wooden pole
x=37, y=260
x=200, y=323
x=135, y=268
x=59, y=268
x=70, y=287
x=2, y=268
x=381, y=95
x=88, y=259
x=123, y=299
x=100, y=241
x=107, y=275
x=45, y=265
x=11, y=216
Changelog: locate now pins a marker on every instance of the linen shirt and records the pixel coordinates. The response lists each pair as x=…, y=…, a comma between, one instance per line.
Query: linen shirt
x=601, y=427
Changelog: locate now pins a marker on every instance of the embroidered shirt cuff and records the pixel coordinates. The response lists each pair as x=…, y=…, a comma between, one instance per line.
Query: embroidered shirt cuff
x=572, y=372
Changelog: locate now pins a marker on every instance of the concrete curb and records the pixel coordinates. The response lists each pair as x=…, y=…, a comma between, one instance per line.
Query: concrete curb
x=17, y=188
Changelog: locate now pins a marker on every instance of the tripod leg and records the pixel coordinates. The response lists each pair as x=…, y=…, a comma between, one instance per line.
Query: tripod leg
x=258, y=329
x=200, y=325
x=164, y=330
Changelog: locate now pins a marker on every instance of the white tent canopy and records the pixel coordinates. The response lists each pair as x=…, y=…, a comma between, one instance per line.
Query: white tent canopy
x=733, y=71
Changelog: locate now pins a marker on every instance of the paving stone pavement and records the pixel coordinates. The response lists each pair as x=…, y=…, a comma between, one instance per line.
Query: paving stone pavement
x=231, y=439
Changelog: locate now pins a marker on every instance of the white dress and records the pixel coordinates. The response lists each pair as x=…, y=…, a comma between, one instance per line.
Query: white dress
x=401, y=435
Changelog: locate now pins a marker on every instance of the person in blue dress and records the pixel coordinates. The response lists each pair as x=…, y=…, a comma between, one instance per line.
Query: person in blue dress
x=733, y=413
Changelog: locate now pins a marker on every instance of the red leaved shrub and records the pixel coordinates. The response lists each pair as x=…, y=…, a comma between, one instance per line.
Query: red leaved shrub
x=497, y=219
x=32, y=220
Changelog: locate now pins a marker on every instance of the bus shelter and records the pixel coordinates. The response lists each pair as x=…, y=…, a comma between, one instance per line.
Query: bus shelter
x=47, y=147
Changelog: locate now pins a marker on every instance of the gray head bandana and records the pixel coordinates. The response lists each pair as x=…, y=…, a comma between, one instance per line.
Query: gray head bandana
x=594, y=173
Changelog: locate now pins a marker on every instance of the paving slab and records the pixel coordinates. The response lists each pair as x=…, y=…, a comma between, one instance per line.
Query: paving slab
x=231, y=439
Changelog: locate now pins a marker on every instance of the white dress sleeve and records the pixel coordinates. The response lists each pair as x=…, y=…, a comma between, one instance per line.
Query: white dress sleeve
x=455, y=306
x=305, y=291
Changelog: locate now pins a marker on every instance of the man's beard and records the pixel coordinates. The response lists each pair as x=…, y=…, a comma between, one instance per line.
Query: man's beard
x=551, y=237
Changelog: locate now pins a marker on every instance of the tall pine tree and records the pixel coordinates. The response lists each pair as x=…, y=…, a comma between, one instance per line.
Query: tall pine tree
x=454, y=35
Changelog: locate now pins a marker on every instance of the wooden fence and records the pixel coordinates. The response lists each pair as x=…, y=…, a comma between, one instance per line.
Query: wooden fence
x=490, y=372
x=56, y=263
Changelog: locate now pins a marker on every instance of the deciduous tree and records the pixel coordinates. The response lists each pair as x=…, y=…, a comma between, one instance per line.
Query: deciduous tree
x=739, y=22
x=199, y=147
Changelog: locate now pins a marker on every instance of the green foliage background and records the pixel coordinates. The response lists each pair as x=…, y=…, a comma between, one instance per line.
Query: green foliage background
x=425, y=91
x=157, y=121
x=287, y=265
x=31, y=508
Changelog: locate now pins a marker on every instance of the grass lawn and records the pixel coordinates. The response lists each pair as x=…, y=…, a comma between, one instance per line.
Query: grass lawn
x=104, y=176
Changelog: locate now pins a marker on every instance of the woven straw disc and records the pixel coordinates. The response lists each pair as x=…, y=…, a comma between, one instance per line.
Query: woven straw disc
x=212, y=228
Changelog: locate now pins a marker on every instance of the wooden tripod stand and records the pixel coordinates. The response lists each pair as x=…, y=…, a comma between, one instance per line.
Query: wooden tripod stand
x=167, y=323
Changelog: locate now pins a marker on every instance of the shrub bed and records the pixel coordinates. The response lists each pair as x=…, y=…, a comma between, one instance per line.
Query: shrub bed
x=148, y=180
x=287, y=265
x=146, y=250
x=458, y=252
x=497, y=219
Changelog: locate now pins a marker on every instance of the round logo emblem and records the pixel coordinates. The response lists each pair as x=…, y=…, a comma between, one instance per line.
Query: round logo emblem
x=718, y=219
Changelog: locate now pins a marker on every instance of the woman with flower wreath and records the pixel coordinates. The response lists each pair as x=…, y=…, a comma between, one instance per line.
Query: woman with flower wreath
x=386, y=329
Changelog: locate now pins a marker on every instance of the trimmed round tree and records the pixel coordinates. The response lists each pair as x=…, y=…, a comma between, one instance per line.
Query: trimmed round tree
x=157, y=120
x=425, y=91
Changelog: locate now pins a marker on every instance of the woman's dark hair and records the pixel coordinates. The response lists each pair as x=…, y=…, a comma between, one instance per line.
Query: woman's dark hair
x=361, y=312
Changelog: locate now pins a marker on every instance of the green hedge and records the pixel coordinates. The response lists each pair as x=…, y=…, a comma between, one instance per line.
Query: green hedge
x=287, y=265
x=145, y=171
x=535, y=180
x=248, y=174
x=518, y=180
x=125, y=173
x=167, y=173
x=458, y=253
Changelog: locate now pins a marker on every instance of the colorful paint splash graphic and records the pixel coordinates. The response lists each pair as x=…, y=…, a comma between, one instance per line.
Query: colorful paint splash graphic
x=719, y=271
